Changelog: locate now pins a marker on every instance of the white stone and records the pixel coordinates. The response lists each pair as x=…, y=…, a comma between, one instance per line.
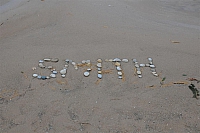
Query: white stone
x=99, y=60
x=119, y=77
x=119, y=73
x=89, y=69
x=99, y=65
x=47, y=59
x=55, y=72
x=140, y=76
x=142, y=65
x=139, y=72
x=47, y=77
x=73, y=63
x=41, y=65
x=35, y=75
x=99, y=72
x=41, y=61
x=50, y=67
x=99, y=69
x=134, y=60
x=99, y=76
x=55, y=60
x=136, y=65
x=125, y=60
x=63, y=71
x=147, y=65
x=150, y=59
x=118, y=68
x=116, y=60
x=153, y=73
x=63, y=75
x=152, y=66
x=83, y=61
x=39, y=76
x=52, y=75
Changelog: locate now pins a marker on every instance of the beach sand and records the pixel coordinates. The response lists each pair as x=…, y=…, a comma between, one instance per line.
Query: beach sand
x=168, y=31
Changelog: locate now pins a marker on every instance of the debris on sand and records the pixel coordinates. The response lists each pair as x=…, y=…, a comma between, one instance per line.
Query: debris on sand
x=194, y=91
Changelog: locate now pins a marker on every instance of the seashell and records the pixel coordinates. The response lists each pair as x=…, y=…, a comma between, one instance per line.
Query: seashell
x=52, y=75
x=63, y=71
x=139, y=72
x=116, y=60
x=47, y=77
x=142, y=65
x=99, y=72
x=117, y=64
x=139, y=76
x=99, y=65
x=125, y=60
x=99, y=69
x=55, y=60
x=43, y=77
x=41, y=61
x=47, y=59
x=153, y=73
x=151, y=63
x=119, y=73
x=118, y=68
x=99, y=76
x=66, y=66
x=99, y=60
x=35, y=75
x=63, y=75
x=41, y=65
x=110, y=60
x=152, y=66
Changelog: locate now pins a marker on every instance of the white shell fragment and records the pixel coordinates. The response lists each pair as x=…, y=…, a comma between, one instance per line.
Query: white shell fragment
x=139, y=72
x=99, y=76
x=152, y=66
x=39, y=76
x=134, y=60
x=155, y=75
x=83, y=61
x=119, y=73
x=41, y=61
x=63, y=75
x=41, y=65
x=117, y=64
x=89, y=69
x=142, y=65
x=99, y=69
x=118, y=68
x=139, y=76
x=47, y=59
x=54, y=72
x=47, y=77
x=99, y=72
x=50, y=67
x=64, y=71
x=151, y=63
x=35, y=75
x=99, y=65
x=147, y=65
x=52, y=75
x=99, y=60
x=73, y=63
x=86, y=74
x=119, y=77
x=55, y=60
x=136, y=65
x=116, y=60
x=125, y=60
x=150, y=59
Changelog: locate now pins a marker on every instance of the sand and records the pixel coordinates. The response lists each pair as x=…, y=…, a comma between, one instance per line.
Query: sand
x=166, y=30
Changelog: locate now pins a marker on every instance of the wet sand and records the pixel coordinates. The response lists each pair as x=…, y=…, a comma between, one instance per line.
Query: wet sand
x=166, y=30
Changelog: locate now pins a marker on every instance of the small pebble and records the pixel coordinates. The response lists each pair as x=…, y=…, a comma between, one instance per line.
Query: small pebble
x=119, y=73
x=41, y=65
x=147, y=65
x=47, y=77
x=151, y=63
x=52, y=75
x=125, y=60
x=99, y=60
x=99, y=76
x=43, y=77
x=54, y=72
x=55, y=60
x=47, y=59
x=150, y=59
x=41, y=61
x=118, y=68
x=39, y=77
x=136, y=65
x=142, y=65
x=152, y=66
x=139, y=72
x=139, y=76
x=119, y=77
x=64, y=71
x=99, y=72
x=89, y=69
x=134, y=60
x=50, y=67
x=116, y=60
x=63, y=75
x=99, y=65
x=86, y=74
x=117, y=64
x=35, y=75
x=99, y=69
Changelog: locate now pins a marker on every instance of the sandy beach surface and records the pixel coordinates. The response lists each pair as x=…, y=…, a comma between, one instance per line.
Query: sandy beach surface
x=168, y=31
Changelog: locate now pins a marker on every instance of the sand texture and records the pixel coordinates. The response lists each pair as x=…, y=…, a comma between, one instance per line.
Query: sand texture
x=168, y=31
